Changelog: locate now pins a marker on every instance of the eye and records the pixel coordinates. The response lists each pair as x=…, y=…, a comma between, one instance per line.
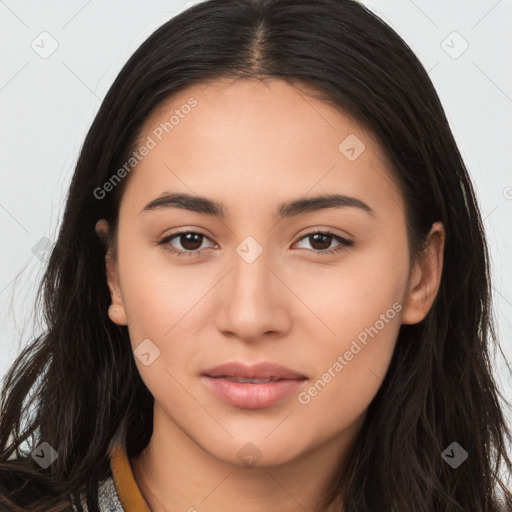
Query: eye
x=191, y=242
x=321, y=240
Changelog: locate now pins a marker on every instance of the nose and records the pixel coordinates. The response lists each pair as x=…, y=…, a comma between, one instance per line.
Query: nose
x=255, y=302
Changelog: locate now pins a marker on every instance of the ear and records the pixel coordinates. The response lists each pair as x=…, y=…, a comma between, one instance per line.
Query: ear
x=425, y=277
x=116, y=310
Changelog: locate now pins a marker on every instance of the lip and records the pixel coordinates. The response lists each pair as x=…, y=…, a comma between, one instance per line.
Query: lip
x=252, y=395
x=262, y=370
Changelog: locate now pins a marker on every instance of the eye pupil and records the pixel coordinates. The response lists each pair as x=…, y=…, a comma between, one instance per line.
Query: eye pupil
x=189, y=240
x=323, y=245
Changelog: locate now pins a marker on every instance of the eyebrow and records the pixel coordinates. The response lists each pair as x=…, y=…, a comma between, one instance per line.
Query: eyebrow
x=288, y=209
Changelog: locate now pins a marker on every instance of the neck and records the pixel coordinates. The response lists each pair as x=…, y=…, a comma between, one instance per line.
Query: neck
x=174, y=473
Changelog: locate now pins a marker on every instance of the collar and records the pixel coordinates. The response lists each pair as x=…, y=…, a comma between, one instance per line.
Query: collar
x=127, y=489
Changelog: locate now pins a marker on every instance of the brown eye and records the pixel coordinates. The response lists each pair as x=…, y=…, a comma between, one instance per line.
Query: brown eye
x=321, y=241
x=189, y=241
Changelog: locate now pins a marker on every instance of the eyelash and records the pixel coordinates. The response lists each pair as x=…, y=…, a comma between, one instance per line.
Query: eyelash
x=344, y=243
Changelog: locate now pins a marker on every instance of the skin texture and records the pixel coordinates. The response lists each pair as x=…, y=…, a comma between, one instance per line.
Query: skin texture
x=251, y=146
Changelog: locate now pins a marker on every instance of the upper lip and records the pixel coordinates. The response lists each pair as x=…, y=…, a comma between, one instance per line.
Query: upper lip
x=255, y=371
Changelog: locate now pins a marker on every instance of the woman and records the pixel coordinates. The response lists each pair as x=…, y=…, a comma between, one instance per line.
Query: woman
x=200, y=356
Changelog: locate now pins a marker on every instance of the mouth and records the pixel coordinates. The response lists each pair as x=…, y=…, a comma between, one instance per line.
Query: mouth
x=245, y=380
x=252, y=386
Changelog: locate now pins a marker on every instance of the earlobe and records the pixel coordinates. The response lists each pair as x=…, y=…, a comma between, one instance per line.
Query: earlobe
x=117, y=314
x=101, y=229
x=425, y=278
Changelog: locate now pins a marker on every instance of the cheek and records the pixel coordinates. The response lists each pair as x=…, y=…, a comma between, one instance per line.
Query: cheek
x=360, y=306
x=163, y=305
x=351, y=368
x=159, y=296
x=352, y=296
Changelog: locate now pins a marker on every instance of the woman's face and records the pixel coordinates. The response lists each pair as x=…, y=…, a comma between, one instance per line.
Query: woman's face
x=254, y=284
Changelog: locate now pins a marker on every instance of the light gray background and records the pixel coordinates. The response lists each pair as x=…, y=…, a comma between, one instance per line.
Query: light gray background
x=47, y=103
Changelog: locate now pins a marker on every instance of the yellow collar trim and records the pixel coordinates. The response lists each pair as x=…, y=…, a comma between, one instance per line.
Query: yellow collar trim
x=126, y=486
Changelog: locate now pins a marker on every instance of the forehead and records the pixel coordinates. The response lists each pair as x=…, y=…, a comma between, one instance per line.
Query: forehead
x=258, y=138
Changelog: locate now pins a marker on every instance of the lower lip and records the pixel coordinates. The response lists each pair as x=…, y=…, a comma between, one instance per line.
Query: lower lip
x=252, y=396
